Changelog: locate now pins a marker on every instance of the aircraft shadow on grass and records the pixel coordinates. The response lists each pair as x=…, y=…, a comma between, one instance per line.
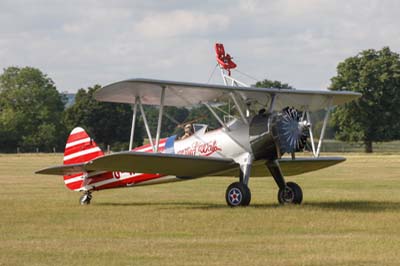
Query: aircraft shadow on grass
x=167, y=205
x=351, y=205
x=354, y=205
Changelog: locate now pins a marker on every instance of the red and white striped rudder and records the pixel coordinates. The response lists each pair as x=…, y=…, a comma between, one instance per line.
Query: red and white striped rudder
x=80, y=148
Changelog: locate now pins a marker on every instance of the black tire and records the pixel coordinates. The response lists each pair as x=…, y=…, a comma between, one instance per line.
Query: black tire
x=238, y=194
x=292, y=194
x=247, y=198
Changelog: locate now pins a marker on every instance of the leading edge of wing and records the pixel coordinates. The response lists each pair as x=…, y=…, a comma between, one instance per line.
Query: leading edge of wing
x=169, y=164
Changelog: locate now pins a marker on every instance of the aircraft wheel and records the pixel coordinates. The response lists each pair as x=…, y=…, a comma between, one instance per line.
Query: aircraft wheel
x=292, y=194
x=238, y=194
x=85, y=199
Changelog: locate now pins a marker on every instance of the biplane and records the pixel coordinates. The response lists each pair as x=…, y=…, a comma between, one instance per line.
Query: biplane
x=266, y=124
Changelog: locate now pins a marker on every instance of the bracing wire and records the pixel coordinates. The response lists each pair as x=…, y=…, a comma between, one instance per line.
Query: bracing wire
x=247, y=75
x=212, y=73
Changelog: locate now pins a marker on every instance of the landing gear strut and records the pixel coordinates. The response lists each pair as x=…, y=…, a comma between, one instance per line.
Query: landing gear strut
x=290, y=192
x=86, y=198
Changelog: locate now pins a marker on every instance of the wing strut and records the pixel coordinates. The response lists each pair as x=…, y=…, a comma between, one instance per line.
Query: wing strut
x=134, y=107
x=272, y=104
x=321, y=137
x=146, y=125
x=160, y=115
x=317, y=151
x=311, y=133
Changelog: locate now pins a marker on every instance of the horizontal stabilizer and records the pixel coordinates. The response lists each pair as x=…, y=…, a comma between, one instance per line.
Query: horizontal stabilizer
x=68, y=169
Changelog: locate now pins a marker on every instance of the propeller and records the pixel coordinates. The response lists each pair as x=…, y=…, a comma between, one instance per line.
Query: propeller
x=293, y=131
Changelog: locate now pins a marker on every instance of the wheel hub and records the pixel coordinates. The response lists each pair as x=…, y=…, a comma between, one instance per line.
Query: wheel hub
x=235, y=196
x=288, y=195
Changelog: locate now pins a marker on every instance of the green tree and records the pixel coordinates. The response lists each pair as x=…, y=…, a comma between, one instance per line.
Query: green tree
x=266, y=83
x=107, y=123
x=375, y=116
x=30, y=111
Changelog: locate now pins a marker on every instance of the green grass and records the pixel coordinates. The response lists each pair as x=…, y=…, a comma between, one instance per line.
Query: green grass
x=350, y=216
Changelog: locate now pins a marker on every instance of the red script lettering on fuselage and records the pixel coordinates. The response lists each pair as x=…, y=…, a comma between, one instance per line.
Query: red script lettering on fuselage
x=203, y=149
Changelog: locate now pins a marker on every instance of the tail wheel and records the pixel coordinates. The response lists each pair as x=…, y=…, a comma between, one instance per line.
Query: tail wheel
x=85, y=199
x=291, y=194
x=238, y=194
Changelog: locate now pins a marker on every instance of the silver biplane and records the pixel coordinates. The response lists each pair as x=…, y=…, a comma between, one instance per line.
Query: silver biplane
x=267, y=124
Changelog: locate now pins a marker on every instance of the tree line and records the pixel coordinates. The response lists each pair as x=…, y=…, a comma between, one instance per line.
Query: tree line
x=33, y=113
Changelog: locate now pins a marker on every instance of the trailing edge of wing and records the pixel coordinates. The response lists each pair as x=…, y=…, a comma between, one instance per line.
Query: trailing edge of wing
x=170, y=164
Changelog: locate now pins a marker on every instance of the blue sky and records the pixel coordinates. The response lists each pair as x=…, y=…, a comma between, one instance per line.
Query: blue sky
x=82, y=43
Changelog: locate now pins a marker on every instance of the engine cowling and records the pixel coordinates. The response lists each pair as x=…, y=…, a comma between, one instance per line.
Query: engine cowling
x=272, y=135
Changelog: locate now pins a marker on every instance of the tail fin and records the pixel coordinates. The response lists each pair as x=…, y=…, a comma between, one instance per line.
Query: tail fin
x=80, y=148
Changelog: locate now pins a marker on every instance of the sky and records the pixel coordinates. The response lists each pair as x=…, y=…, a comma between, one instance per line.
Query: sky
x=82, y=43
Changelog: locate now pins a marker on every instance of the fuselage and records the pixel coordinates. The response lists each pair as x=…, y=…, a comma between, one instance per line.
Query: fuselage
x=216, y=143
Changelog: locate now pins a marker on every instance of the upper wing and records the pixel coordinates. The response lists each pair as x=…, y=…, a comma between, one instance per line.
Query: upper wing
x=189, y=94
x=141, y=162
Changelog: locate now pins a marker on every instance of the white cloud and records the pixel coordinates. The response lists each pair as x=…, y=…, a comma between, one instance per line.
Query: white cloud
x=80, y=43
x=180, y=23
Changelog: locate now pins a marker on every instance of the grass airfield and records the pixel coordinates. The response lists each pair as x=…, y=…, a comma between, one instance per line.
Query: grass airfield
x=350, y=216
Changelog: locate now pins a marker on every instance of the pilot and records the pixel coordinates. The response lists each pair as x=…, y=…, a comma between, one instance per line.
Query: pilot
x=188, y=131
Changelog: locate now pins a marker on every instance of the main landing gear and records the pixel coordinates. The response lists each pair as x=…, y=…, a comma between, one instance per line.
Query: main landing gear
x=86, y=198
x=290, y=192
x=238, y=193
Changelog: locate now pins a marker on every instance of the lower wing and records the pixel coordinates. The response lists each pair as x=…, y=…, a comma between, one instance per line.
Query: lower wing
x=187, y=166
x=289, y=166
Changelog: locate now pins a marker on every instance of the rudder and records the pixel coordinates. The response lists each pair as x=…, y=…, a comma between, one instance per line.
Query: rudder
x=80, y=148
